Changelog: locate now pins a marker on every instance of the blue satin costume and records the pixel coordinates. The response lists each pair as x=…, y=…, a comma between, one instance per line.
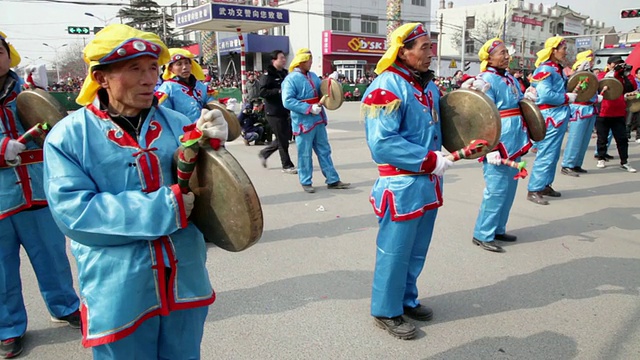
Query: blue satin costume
x=551, y=86
x=310, y=130
x=21, y=191
x=176, y=95
x=582, y=121
x=144, y=286
x=500, y=188
x=403, y=131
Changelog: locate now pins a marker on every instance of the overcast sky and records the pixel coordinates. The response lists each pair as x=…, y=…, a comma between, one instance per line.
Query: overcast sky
x=29, y=23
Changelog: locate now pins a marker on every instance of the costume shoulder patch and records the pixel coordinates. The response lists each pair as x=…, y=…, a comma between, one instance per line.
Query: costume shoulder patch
x=540, y=76
x=378, y=100
x=161, y=97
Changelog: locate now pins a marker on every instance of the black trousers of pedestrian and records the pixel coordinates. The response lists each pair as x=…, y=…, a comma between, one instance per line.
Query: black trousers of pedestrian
x=282, y=130
x=633, y=123
x=618, y=127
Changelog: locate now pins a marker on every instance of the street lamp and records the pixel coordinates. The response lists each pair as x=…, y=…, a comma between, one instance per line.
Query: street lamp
x=55, y=50
x=105, y=21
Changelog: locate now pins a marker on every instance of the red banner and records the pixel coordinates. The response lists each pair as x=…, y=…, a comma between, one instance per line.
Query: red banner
x=352, y=44
x=526, y=20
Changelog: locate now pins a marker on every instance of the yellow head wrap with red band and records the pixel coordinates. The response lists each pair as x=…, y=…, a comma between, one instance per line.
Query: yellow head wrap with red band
x=397, y=39
x=582, y=57
x=551, y=44
x=486, y=50
x=179, y=54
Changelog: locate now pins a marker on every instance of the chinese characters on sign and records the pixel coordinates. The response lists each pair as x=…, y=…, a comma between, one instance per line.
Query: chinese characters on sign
x=526, y=20
x=250, y=13
x=192, y=16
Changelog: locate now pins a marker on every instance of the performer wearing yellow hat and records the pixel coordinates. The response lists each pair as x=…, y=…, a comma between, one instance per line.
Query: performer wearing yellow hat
x=553, y=100
x=301, y=95
x=26, y=221
x=183, y=89
x=582, y=120
x=109, y=181
x=401, y=115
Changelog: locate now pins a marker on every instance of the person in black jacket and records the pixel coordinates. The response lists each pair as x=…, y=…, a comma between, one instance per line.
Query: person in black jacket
x=277, y=115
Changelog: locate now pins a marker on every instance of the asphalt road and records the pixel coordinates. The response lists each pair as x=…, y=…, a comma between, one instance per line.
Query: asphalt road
x=569, y=288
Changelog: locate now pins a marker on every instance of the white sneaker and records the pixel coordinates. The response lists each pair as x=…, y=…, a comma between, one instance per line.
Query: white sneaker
x=601, y=164
x=628, y=168
x=291, y=171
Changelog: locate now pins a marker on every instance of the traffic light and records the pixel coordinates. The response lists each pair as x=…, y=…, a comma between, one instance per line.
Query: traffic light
x=467, y=65
x=97, y=28
x=78, y=30
x=630, y=13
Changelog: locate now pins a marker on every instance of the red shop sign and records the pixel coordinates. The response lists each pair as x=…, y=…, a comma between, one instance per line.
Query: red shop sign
x=351, y=44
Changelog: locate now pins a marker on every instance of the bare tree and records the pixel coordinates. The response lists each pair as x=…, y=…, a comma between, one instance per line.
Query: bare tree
x=70, y=61
x=484, y=30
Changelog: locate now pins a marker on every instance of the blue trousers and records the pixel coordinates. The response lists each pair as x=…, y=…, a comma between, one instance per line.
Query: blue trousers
x=46, y=247
x=401, y=251
x=578, y=142
x=317, y=141
x=499, y=193
x=173, y=337
x=544, y=166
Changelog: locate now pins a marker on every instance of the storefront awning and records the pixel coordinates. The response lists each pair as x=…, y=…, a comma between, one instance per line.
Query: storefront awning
x=228, y=17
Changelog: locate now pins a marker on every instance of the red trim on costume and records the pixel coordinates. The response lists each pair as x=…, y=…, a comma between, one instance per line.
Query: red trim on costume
x=27, y=157
x=101, y=114
x=429, y=162
x=3, y=150
x=388, y=200
x=548, y=106
x=389, y=170
x=183, y=215
x=311, y=101
x=540, y=76
x=380, y=97
x=584, y=103
x=405, y=76
x=510, y=112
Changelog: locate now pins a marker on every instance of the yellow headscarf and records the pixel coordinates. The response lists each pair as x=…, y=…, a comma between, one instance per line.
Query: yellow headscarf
x=117, y=43
x=13, y=54
x=302, y=55
x=551, y=44
x=396, y=41
x=486, y=50
x=177, y=54
x=582, y=57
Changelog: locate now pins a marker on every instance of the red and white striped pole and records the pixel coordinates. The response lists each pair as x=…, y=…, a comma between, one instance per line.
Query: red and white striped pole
x=243, y=67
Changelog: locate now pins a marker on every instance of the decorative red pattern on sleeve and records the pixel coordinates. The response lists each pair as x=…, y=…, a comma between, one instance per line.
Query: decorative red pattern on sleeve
x=429, y=162
x=183, y=215
x=540, y=76
x=380, y=97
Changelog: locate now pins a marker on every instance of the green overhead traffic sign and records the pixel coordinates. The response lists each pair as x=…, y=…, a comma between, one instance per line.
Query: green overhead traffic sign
x=78, y=30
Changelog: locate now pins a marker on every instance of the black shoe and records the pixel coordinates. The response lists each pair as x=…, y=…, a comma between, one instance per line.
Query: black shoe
x=263, y=161
x=11, y=348
x=339, y=185
x=578, y=169
x=505, y=237
x=396, y=326
x=308, y=188
x=536, y=197
x=420, y=313
x=608, y=157
x=569, y=172
x=73, y=319
x=548, y=191
x=488, y=245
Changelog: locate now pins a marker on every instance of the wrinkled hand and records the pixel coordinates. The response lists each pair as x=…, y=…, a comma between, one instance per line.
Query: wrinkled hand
x=476, y=84
x=586, y=65
x=442, y=164
x=188, y=199
x=213, y=125
x=14, y=148
x=316, y=109
x=494, y=158
x=531, y=94
x=572, y=97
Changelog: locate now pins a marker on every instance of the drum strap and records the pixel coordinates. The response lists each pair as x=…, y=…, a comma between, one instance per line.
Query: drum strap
x=28, y=157
x=311, y=101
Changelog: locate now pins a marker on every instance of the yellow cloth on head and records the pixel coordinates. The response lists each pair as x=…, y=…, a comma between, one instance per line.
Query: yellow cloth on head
x=582, y=57
x=116, y=43
x=196, y=69
x=551, y=44
x=302, y=55
x=486, y=50
x=396, y=41
x=13, y=54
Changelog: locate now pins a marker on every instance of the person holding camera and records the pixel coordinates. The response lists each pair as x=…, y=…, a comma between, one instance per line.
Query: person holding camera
x=613, y=114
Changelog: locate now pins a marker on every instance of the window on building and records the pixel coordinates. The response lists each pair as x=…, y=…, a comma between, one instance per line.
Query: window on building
x=184, y=4
x=552, y=27
x=195, y=3
x=174, y=9
x=532, y=47
x=542, y=27
x=471, y=22
x=340, y=21
x=369, y=24
x=469, y=45
x=419, y=2
x=198, y=37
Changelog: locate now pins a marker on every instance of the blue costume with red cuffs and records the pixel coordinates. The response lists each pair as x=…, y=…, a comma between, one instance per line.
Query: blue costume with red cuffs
x=189, y=100
x=582, y=121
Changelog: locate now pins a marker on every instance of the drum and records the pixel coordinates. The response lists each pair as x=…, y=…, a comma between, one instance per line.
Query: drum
x=232, y=120
x=227, y=209
x=614, y=88
x=536, y=124
x=583, y=83
x=469, y=115
x=332, y=96
x=36, y=106
x=633, y=102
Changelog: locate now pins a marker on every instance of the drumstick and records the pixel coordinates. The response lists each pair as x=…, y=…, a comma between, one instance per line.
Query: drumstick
x=474, y=147
x=187, y=156
x=604, y=88
x=38, y=130
x=323, y=99
x=517, y=165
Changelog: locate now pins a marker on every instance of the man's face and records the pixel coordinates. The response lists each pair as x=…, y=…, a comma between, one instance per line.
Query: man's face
x=182, y=68
x=5, y=61
x=419, y=56
x=560, y=53
x=130, y=84
x=280, y=61
x=499, y=57
x=306, y=66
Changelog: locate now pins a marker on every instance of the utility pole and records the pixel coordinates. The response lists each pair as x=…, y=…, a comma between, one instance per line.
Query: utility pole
x=464, y=42
x=164, y=25
x=523, y=45
x=439, y=45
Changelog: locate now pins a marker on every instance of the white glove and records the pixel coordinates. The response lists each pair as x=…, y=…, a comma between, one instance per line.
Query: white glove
x=586, y=65
x=572, y=97
x=481, y=85
x=187, y=200
x=531, y=94
x=14, y=148
x=494, y=158
x=213, y=125
x=442, y=164
x=467, y=84
x=316, y=109
x=600, y=98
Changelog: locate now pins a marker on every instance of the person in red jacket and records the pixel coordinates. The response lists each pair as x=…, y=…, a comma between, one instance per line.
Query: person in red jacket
x=613, y=113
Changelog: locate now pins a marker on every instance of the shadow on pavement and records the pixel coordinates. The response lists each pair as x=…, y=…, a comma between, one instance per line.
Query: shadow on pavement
x=53, y=335
x=298, y=195
x=627, y=187
x=327, y=229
